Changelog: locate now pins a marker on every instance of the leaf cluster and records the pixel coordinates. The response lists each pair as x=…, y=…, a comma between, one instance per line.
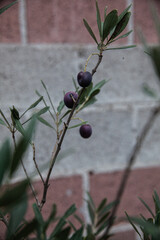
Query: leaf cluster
x=149, y=227
x=110, y=28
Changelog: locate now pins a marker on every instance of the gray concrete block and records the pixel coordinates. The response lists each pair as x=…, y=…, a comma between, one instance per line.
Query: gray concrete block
x=22, y=68
x=150, y=151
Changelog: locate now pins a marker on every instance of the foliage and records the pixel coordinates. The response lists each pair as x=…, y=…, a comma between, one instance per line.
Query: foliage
x=149, y=227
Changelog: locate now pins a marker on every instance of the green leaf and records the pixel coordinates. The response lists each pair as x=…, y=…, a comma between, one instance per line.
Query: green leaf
x=78, y=219
x=65, y=114
x=26, y=230
x=149, y=228
x=123, y=36
x=3, y=9
x=77, y=125
x=123, y=47
x=60, y=107
x=42, y=120
x=42, y=111
x=98, y=86
x=123, y=13
x=38, y=214
x=98, y=20
x=5, y=159
x=102, y=219
x=19, y=127
x=133, y=225
x=90, y=200
x=51, y=217
x=109, y=23
x=90, y=30
x=22, y=147
x=77, y=235
x=85, y=93
x=75, y=84
x=147, y=207
x=90, y=102
x=13, y=194
x=62, y=221
x=105, y=12
x=155, y=56
x=63, y=234
x=121, y=25
x=91, y=212
x=2, y=122
x=102, y=227
x=101, y=205
x=107, y=208
x=36, y=103
x=16, y=216
x=156, y=201
x=157, y=219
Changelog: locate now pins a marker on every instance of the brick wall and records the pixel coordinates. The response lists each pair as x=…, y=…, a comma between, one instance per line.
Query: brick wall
x=48, y=41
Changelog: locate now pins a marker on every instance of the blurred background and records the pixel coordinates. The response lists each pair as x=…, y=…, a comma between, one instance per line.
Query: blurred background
x=46, y=40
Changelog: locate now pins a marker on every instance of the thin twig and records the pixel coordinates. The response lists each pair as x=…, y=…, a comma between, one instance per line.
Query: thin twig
x=59, y=143
x=36, y=165
x=131, y=160
x=25, y=171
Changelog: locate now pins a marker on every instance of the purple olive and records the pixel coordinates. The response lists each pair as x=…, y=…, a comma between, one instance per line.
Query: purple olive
x=70, y=98
x=84, y=78
x=85, y=131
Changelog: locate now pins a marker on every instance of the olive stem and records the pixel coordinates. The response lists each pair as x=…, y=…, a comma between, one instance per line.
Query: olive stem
x=59, y=141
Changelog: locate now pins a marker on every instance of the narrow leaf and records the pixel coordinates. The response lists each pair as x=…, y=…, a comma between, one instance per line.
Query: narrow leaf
x=148, y=208
x=133, y=225
x=123, y=36
x=7, y=6
x=109, y=23
x=42, y=111
x=5, y=159
x=90, y=30
x=101, y=205
x=36, y=103
x=62, y=221
x=26, y=230
x=2, y=122
x=22, y=147
x=98, y=20
x=38, y=214
x=77, y=235
x=13, y=194
x=123, y=13
x=60, y=107
x=16, y=216
x=124, y=47
x=121, y=25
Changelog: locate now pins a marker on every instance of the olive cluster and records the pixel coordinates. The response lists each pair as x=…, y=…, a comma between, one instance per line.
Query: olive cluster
x=84, y=79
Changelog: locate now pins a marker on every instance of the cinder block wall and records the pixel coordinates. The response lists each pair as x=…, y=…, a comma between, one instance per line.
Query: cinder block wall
x=47, y=40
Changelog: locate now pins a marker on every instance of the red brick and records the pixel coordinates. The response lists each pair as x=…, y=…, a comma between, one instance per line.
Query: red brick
x=9, y=27
x=143, y=19
x=142, y=183
x=62, y=21
x=128, y=235
x=63, y=192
